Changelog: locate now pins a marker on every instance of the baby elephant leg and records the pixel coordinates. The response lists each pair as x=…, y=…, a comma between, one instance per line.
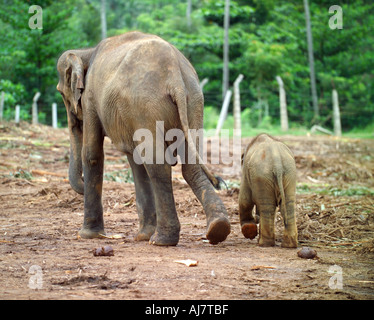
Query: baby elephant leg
x=290, y=228
x=267, y=216
x=246, y=204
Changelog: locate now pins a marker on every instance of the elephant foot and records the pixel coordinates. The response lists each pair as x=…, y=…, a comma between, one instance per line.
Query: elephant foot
x=90, y=234
x=266, y=242
x=249, y=230
x=145, y=234
x=159, y=239
x=289, y=241
x=218, y=230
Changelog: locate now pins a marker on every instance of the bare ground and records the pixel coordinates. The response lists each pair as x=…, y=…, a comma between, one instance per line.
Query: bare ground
x=41, y=256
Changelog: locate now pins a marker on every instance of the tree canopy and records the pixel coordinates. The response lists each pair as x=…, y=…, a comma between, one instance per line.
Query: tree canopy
x=266, y=37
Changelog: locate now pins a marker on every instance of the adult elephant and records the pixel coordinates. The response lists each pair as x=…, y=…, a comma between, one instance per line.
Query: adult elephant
x=126, y=83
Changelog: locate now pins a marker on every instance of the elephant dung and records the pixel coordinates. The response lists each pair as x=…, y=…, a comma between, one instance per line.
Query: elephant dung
x=307, y=253
x=103, y=251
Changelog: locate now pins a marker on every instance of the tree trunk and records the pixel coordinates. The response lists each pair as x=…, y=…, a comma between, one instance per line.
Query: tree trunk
x=311, y=60
x=266, y=108
x=188, y=14
x=226, y=23
x=259, y=105
x=103, y=19
x=282, y=104
x=336, y=114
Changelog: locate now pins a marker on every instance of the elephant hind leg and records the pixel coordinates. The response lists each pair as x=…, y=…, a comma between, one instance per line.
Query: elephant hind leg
x=218, y=230
x=145, y=203
x=246, y=204
x=218, y=225
x=168, y=226
x=249, y=230
x=290, y=230
x=267, y=217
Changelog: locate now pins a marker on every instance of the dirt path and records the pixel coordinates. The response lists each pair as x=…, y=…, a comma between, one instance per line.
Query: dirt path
x=42, y=258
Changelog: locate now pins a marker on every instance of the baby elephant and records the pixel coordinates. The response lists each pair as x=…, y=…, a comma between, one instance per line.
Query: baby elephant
x=268, y=181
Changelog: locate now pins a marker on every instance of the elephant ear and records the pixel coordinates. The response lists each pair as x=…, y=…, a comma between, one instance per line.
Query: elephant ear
x=74, y=77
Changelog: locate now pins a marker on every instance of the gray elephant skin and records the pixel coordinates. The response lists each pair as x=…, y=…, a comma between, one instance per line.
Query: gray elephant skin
x=125, y=83
x=268, y=181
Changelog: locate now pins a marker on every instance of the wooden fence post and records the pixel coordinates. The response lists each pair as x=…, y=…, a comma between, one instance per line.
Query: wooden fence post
x=35, y=108
x=282, y=104
x=236, y=109
x=223, y=114
x=336, y=114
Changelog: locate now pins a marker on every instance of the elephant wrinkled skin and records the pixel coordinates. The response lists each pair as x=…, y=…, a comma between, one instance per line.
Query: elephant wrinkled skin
x=126, y=83
x=268, y=180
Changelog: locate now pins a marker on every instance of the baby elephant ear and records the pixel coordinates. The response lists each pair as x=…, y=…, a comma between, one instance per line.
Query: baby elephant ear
x=76, y=77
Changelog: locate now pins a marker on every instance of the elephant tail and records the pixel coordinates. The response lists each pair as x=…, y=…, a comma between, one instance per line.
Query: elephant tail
x=283, y=208
x=179, y=98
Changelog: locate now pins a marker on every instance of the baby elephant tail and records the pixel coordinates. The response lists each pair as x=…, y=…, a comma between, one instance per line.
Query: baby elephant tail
x=282, y=200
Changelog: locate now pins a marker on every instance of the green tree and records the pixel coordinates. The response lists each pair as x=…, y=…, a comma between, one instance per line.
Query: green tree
x=267, y=38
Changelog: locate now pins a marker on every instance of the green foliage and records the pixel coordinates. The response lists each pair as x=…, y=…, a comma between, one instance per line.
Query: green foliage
x=12, y=92
x=22, y=174
x=305, y=188
x=211, y=116
x=267, y=38
x=28, y=57
x=250, y=124
x=214, y=11
x=123, y=176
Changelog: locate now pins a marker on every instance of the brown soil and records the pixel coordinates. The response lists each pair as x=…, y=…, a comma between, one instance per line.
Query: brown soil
x=40, y=216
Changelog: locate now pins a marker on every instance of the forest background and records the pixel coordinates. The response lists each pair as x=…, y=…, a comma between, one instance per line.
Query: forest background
x=266, y=38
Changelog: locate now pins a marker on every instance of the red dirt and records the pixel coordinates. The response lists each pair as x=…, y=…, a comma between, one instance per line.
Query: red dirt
x=41, y=214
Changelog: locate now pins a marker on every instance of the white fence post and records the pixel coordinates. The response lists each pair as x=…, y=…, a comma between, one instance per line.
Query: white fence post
x=320, y=129
x=203, y=83
x=336, y=114
x=54, y=115
x=236, y=109
x=223, y=114
x=282, y=104
x=16, y=119
x=1, y=105
x=35, y=108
